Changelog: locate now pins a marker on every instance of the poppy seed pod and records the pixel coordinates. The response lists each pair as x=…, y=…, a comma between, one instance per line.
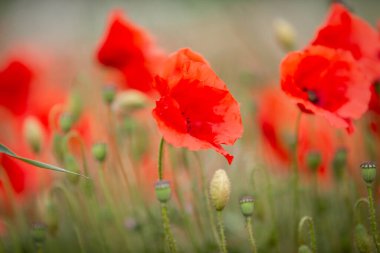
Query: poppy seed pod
x=314, y=160
x=304, y=249
x=220, y=189
x=33, y=134
x=109, y=94
x=99, y=151
x=163, y=191
x=66, y=122
x=362, y=239
x=285, y=34
x=247, y=205
x=368, y=172
x=38, y=234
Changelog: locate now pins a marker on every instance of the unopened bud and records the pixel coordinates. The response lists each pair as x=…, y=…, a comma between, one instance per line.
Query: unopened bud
x=362, y=239
x=368, y=172
x=129, y=101
x=66, y=122
x=304, y=249
x=75, y=105
x=220, y=189
x=57, y=147
x=99, y=151
x=314, y=160
x=51, y=217
x=38, y=234
x=247, y=205
x=33, y=133
x=285, y=34
x=109, y=94
x=163, y=191
x=339, y=162
x=72, y=165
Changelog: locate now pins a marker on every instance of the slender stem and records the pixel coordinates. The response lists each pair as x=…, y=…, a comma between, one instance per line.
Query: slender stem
x=250, y=234
x=313, y=241
x=372, y=218
x=223, y=244
x=160, y=156
x=356, y=207
x=167, y=230
x=295, y=175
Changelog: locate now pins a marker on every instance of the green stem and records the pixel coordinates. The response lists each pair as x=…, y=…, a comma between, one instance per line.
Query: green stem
x=223, y=244
x=296, y=176
x=160, y=156
x=167, y=230
x=313, y=241
x=250, y=234
x=356, y=207
x=373, y=219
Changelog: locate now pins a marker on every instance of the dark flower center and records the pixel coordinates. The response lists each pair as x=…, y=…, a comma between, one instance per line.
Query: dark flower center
x=376, y=85
x=312, y=96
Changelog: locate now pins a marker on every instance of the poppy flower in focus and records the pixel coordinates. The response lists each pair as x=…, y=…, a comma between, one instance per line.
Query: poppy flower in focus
x=327, y=82
x=346, y=31
x=130, y=50
x=15, y=84
x=195, y=109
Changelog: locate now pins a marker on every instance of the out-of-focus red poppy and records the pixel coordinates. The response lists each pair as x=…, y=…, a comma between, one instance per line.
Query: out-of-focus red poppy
x=195, y=109
x=327, y=82
x=129, y=49
x=346, y=31
x=15, y=84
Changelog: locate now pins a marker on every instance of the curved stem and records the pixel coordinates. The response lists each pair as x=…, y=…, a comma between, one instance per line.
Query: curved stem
x=167, y=230
x=313, y=242
x=250, y=234
x=372, y=219
x=357, y=205
x=223, y=244
x=160, y=156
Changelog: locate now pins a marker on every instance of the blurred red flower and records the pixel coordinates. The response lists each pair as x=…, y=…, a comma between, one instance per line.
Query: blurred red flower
x=195, y=109
x=15, y=84
x=129, y=49
x=327, y=82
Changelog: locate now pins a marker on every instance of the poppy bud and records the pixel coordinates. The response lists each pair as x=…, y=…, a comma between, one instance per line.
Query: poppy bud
x=129, y=101
x=99, y=151
x=246, y=206
x=72, y=165
x=109, y=93
x=38, y=234
x=368, y=172
x=314, y=160
x=362, y=239
x=304, y=249
x=57, y=147
x=66, y=122
x=33, y=133
x=75, y=105
x=339, y=162
x=51, y=217
x=163, y=191
x=220, y=189
x=285, y=34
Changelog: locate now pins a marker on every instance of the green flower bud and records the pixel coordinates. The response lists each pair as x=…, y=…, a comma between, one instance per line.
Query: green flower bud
x=58, y=147
x=99, y=151
x=339, y=162
x=163, y=191
x=66, y=122
x=33, y=133
x=38, y=234
x=51, y=217
x=129, y=101
x=75, y=105
x=71, y=164
x=314, y=160
x=362, y=239
x=285, y=34
x=247, y=205
x=304, y=249
x=220, y=189
x=368, y=172
x=109, y=94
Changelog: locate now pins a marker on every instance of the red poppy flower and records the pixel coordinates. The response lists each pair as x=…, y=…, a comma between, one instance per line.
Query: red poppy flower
x=343, y=30
x=15, y=83
x=195, y=110
x=327, y=82
x=129, y=49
